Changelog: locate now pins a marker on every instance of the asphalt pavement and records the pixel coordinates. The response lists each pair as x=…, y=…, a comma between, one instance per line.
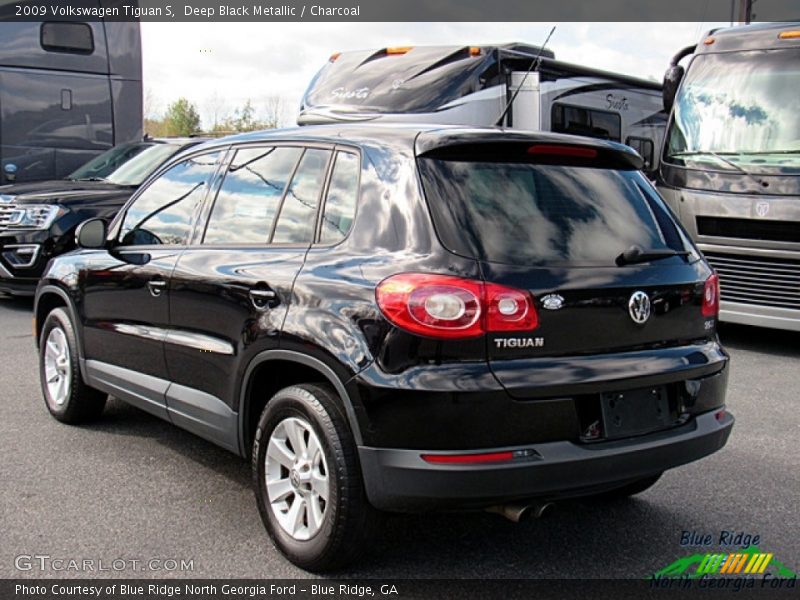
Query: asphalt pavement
x=133, y=488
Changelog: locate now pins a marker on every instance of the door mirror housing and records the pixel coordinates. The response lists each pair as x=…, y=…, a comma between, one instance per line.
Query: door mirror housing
x=672, y=80
x=91, y=234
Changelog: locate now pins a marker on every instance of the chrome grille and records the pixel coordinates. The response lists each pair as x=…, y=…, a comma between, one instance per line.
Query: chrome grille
x=758, y=280
x=6, y=210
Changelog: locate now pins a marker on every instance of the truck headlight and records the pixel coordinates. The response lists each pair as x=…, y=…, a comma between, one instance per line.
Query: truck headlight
x=35, y=216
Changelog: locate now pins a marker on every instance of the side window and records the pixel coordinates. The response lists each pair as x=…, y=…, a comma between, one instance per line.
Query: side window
x=645, y=149
x=298, y=214
x=74, y=38
x=250, y=195
x=340, y=203
x=164, y=212
x=588, y=122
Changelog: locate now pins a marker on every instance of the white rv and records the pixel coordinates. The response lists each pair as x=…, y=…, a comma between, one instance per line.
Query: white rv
x=466, y=85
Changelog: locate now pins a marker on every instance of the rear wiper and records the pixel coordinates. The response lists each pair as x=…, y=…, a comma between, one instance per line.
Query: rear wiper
x=636, y=254
x=90, y=179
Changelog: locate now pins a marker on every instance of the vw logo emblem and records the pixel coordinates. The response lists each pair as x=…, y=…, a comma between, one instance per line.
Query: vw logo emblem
x=762, y=209
x=639, y=307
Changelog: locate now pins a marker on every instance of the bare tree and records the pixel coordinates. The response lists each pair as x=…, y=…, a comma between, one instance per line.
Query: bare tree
x=274, y=112
x=150, y=105
x=217, y=109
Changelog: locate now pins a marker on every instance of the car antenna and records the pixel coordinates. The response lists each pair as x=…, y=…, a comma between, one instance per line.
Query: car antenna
x=534, y=64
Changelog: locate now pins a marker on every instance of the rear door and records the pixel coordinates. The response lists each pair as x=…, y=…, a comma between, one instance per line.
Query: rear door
x=230, y=290
x=555, y=221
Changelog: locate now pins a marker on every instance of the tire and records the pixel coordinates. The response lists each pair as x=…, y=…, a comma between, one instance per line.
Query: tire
x=333, y=524
x=630, y=489
x=66, y=395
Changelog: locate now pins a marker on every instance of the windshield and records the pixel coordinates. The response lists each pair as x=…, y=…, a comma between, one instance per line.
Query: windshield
x=546, y=214
x=103, y=165
x=739, y=111
x=136, y=170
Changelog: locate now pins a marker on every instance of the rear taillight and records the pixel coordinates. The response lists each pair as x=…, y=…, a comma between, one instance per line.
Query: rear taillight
x=447, y=307
x=711, y=296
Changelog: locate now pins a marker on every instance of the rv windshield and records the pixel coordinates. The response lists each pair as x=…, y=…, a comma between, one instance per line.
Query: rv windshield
x=739, y=112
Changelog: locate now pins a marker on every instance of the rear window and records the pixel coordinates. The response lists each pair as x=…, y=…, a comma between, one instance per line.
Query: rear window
x=538, y=214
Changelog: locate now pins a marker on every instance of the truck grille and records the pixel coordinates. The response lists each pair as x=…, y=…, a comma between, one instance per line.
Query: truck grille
x=758, y=280
x=6, y=211
x=749, y=229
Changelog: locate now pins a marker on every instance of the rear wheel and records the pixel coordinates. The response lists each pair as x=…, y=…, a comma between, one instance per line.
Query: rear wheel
x=308, y=481
x=630, y=489
x=66, y=395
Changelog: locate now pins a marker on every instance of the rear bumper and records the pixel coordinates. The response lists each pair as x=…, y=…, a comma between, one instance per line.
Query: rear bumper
x=401, y=480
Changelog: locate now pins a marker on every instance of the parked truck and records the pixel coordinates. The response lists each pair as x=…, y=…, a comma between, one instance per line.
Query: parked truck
x=730, y=165
x=68, y=92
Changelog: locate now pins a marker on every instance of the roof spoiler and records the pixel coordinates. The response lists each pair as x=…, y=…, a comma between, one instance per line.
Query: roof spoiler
x=505, y=146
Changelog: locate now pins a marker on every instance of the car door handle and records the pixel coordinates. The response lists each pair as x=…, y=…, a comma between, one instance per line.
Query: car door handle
x=262, y=298
x=156, y=287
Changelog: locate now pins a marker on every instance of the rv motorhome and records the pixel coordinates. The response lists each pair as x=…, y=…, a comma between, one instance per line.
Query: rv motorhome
x=730, y=166
x=465, y=85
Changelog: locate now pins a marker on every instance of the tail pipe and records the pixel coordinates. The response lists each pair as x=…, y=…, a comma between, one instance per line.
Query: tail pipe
x=518, y=511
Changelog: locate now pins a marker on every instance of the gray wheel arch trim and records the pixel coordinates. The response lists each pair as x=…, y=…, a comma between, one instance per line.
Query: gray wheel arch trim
x=73, y=315
x=308, y=361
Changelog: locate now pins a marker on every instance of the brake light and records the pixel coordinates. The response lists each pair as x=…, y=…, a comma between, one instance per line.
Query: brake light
x=711, y=296
x=447, y=307
x=563, y=150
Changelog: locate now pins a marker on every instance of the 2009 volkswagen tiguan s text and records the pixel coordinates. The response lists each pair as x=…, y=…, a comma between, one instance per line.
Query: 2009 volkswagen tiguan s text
x=395, y=318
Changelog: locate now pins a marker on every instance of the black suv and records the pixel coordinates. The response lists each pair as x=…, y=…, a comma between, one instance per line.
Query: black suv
x=38, y=220
x=397, y=319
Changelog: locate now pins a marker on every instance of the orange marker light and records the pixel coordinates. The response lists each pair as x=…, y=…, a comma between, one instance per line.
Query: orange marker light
x=789, y=35
x=399, y=49
x=708, y=41
x=334, y=56
x=474, y=51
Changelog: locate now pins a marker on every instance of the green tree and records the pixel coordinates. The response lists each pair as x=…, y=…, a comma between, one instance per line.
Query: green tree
x=182, y=118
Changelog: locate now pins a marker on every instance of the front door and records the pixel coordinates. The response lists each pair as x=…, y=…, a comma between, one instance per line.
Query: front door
x=126, y=300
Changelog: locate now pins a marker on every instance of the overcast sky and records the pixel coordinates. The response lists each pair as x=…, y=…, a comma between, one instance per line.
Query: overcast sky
x=218, y=66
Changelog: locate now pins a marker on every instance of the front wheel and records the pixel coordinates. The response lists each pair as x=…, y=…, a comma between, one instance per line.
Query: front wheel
x=66, y=395
x=308, y=481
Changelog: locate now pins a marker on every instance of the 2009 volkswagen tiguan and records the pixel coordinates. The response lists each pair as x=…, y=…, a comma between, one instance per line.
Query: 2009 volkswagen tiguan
x=396, y=318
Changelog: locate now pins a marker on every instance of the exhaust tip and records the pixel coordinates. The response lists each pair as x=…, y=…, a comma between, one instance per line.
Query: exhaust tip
x=516, y=512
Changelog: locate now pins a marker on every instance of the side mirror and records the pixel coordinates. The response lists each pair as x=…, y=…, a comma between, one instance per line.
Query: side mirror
x=91, y=234
x=10, y=169
x=672, y=80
